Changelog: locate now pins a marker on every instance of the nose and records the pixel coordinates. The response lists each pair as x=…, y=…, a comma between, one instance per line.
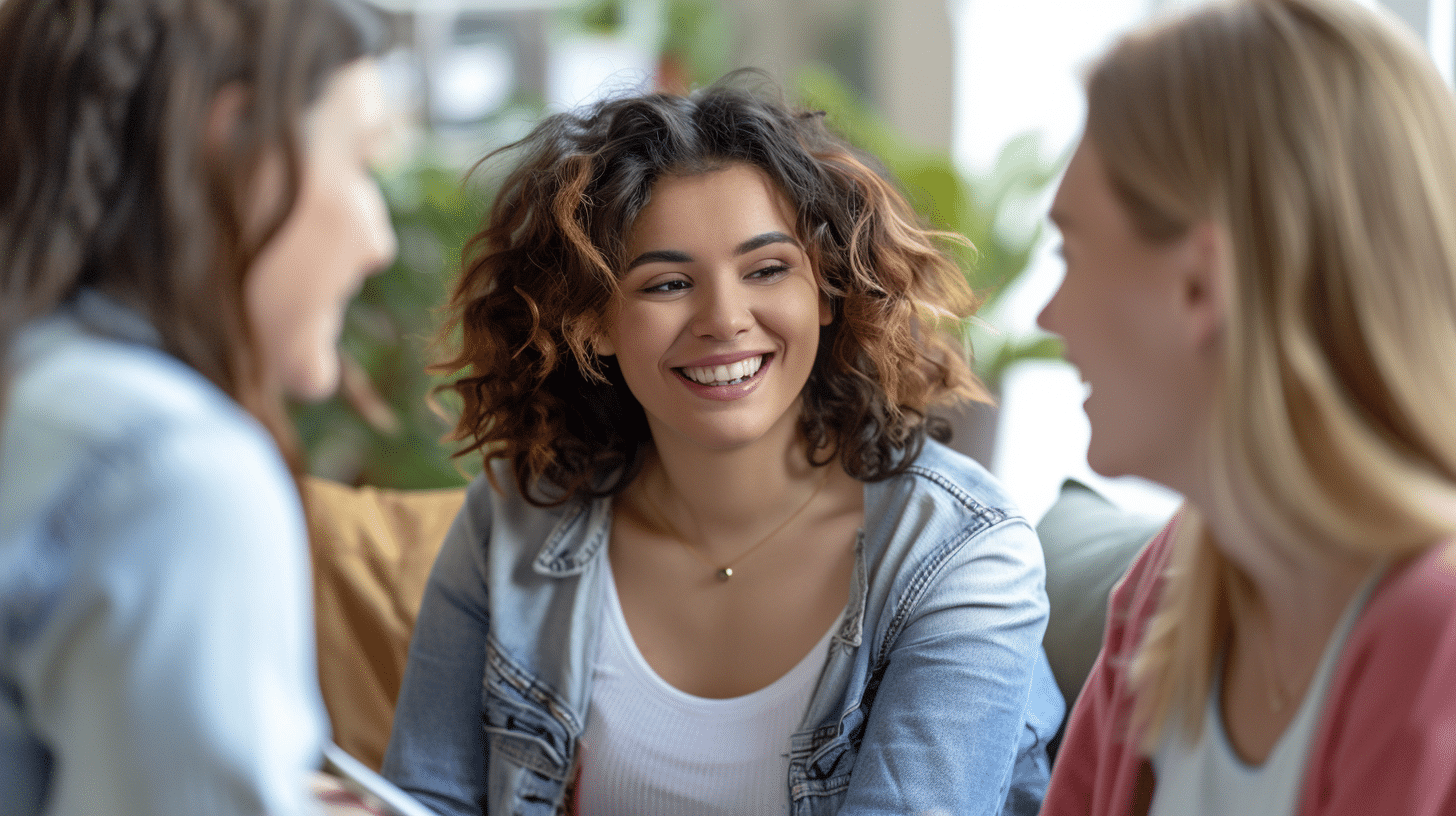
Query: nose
x=1046, y=318
x=378, y=243
x=724, y=311
x=1041, y=317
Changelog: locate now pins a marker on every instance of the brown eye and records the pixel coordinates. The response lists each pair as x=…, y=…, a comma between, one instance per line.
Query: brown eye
x=674, y=285
x=769, y=272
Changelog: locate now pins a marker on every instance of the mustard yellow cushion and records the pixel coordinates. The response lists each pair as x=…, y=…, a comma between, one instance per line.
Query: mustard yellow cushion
x=372, y=551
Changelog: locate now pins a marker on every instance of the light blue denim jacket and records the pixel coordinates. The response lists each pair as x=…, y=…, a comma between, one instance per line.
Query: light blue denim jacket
x=936, y=695
x=156, y=636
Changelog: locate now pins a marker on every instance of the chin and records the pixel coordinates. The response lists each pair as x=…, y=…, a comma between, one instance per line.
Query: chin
x=314, y=385
x=1103, y=463
x=723, y=440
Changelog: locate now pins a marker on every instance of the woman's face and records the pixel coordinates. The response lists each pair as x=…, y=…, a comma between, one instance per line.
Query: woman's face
x=337, y=235
x=1141, y=322
x=718, y=324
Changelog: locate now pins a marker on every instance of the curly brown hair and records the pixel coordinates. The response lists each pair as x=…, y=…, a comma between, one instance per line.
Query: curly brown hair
x=541, y=273
x=107, y=179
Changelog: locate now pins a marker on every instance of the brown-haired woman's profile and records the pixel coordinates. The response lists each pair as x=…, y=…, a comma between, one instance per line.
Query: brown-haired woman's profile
x=186, y=205
x=718, y=562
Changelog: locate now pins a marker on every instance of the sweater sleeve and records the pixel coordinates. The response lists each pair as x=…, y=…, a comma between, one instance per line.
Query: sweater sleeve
x=1388, y=742
x=1097, y=766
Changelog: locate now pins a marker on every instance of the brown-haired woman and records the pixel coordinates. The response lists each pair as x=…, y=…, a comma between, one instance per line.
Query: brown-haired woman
x=1261, y=293
x=185, y=207
x=716, y=565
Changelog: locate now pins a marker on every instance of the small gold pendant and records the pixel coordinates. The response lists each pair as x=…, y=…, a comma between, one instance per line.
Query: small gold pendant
x=724, y=573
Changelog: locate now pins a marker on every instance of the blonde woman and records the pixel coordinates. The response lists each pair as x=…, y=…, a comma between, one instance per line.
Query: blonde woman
x=1260, y=236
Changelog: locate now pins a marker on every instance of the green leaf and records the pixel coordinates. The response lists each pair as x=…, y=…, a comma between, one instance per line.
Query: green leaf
x=950, y=200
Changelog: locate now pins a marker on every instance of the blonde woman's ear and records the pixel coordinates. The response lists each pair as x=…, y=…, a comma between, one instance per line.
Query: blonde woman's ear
x=1204, y=284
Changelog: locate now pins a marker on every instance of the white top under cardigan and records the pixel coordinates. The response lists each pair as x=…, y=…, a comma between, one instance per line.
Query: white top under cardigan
x=649, y=749
x=1208, y=778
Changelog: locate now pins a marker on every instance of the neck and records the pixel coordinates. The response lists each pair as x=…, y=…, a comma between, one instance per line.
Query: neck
x=1292, y=583
x=728, y=489
x=1295, y=586
x=720, y=498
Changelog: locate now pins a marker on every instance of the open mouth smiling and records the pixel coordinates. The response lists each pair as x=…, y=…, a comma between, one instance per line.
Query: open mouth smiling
x=722, y=375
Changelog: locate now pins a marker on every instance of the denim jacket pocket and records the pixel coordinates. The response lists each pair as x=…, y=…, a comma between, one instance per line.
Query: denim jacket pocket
x=529, y=736
x=820, y=762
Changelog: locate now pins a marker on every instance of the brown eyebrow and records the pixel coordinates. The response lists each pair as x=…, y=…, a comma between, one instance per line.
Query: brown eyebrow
x=659, y=256
x=760, y=241
x=678, y=256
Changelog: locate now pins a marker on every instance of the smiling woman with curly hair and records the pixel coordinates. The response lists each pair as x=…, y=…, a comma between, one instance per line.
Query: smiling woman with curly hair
x=548, y=263
x=719, y=563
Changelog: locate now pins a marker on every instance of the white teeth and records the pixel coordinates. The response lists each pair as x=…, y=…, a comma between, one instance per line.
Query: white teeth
x=731, y=374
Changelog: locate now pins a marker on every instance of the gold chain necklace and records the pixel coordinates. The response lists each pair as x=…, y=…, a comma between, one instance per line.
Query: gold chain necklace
x=725, y=571
x=1277, y=696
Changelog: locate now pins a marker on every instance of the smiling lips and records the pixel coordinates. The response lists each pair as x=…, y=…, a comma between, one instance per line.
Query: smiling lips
x=722, y=375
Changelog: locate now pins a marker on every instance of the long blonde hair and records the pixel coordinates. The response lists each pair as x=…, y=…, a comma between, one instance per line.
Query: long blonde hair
x=1321, y=140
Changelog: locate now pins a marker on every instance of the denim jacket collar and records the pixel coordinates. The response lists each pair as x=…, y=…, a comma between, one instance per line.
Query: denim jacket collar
x=106, y=316
x=586, y=527
x=576, y=539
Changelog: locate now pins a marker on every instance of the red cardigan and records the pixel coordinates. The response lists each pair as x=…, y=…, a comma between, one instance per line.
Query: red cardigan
x=1385, y=743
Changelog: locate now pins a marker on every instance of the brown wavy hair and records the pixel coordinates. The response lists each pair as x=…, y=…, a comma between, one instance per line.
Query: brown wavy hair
x=540, y=274
x=108, y=181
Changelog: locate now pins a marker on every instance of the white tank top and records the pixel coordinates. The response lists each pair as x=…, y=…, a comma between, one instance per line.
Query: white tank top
x=1208, y=778
x=651, y=750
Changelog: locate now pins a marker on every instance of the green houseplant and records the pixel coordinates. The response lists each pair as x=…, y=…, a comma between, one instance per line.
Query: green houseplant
x=996, y=257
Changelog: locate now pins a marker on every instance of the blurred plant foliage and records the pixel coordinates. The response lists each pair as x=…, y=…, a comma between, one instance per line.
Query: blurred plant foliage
x=382, y=430
x=976, y=208
x=696, y=49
